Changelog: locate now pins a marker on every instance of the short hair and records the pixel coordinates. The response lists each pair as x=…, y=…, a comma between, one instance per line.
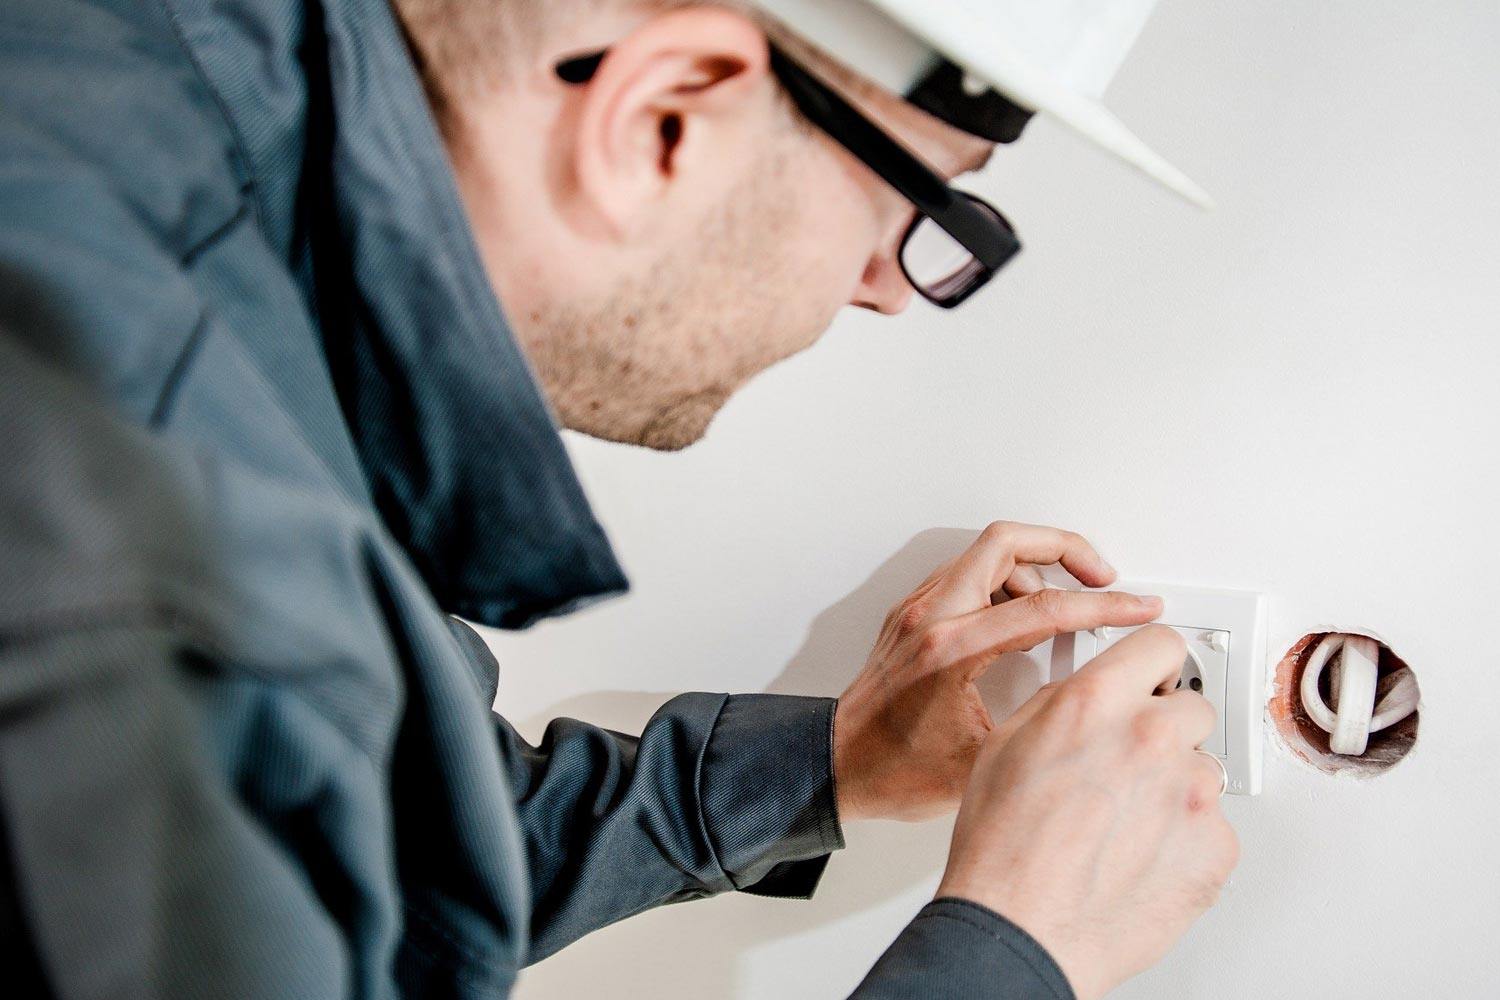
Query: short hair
x=469, y=46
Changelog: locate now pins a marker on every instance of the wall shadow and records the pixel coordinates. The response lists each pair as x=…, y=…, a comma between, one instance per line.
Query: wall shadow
x=670, y=953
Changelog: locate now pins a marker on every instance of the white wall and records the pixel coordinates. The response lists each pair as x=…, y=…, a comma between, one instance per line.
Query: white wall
x=1295, y=394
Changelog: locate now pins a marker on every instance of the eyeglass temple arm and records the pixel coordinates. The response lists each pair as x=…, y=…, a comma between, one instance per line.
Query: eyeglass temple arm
x=896, y=165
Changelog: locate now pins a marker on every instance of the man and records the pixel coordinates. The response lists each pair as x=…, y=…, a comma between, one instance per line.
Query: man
x=265, y=425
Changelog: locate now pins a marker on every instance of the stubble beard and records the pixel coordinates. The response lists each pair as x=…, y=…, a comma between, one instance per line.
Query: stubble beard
x=654, y=364
x=684, y=423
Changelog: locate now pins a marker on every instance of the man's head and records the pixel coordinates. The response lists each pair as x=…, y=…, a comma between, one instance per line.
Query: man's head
x=666, y=230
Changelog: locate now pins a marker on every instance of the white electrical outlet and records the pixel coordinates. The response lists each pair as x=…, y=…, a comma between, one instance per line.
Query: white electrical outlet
x=1226, y=638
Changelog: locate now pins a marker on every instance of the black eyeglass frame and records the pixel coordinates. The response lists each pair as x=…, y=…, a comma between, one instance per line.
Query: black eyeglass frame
x=973, y=223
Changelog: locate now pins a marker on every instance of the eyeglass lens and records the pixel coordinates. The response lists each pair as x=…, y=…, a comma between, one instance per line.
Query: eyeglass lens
x=937, y=265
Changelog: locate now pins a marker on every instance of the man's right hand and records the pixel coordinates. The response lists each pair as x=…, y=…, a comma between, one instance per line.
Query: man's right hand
x=1089, y=820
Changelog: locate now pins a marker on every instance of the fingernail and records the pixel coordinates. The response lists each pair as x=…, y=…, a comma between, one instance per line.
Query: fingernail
x=1104, y=563
x=1150, y=601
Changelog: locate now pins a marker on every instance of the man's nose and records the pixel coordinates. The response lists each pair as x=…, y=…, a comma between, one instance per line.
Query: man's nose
x=883, y=287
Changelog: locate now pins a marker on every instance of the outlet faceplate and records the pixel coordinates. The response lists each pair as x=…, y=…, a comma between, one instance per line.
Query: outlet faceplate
x=1226, y=636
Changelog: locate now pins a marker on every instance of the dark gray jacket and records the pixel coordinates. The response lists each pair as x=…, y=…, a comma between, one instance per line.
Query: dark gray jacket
x=262, y=429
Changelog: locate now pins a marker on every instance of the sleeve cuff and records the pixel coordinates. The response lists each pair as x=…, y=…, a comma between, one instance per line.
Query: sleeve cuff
x=956, y=948
x=767, y=792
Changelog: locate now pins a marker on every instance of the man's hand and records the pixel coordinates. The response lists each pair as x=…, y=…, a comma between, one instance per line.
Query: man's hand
x=907, y=731
x=1090, y=821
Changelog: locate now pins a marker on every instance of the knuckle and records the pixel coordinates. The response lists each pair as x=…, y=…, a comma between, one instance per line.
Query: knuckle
x=1082, y=698
x=932, y=645
x=1151, y=734
x=997, y=532
x=1203, y=791
x=1050, y=605
x=908, y=618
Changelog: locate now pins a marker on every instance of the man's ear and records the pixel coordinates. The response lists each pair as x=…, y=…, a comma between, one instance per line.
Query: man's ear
x=678, y=91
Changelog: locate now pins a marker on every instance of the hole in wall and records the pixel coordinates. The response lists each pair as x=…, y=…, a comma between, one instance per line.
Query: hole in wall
x=1310, y=741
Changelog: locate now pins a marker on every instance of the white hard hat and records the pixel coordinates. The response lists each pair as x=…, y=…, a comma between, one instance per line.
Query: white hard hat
x=984, y=65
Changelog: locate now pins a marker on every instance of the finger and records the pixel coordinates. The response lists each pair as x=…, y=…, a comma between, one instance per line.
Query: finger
x=1145, y=661
x=1205, y=781
x=1191, y=715
x=1026, y=580
x=993, y=557
x=987, y=633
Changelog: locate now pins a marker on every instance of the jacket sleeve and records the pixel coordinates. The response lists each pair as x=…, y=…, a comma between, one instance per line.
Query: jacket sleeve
x=719, y=792
x=958, y=949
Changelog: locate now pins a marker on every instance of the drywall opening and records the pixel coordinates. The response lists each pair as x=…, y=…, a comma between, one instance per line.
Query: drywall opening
x=1312, y=742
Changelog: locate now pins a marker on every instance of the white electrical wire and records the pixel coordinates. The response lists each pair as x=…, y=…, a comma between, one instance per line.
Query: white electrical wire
x=1364, y=703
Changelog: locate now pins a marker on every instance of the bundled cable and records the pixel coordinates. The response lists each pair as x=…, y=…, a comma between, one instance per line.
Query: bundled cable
x=1363, y=701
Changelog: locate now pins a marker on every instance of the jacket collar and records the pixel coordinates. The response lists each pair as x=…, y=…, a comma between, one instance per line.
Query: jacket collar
x=462, y=453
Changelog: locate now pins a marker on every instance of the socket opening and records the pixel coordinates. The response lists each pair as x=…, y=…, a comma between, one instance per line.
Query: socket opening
x=1192, y=673
x=1308, y=741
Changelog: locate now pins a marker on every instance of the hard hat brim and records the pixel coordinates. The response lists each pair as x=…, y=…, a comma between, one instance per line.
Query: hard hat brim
x=986, y=55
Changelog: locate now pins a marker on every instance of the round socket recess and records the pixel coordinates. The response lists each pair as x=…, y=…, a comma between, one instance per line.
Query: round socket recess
x=1225, y=632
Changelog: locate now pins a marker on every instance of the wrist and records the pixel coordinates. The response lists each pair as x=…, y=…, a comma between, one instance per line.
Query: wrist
x=849, y=799
x=880, y=774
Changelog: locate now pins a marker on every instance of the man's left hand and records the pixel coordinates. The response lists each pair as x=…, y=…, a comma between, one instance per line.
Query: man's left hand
x=907, y=731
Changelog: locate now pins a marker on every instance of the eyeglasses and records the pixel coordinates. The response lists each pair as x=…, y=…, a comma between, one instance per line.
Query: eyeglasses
x=956, y=243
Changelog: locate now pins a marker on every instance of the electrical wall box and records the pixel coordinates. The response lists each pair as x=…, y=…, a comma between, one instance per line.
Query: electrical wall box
x=1226, y=657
